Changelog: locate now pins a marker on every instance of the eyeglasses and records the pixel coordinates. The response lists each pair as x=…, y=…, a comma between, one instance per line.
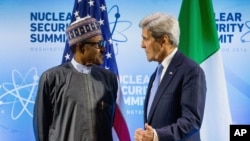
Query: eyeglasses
x=100, y=43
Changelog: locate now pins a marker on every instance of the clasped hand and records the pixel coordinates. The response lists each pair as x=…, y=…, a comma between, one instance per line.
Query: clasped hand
x=144, y=135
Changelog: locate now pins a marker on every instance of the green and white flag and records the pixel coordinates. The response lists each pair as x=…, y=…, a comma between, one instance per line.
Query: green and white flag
x=199, y=41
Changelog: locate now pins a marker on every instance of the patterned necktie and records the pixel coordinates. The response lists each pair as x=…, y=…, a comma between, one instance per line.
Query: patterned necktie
x=154, y=87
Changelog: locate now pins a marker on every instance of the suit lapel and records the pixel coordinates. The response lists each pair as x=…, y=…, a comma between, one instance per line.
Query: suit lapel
x=148, y=94
x=167, y=78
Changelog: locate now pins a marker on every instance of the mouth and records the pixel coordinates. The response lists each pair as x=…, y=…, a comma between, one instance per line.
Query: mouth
x=101, y=56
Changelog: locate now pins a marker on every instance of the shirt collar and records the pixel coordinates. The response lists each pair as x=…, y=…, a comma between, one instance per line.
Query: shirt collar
x=168, y=59
x=165, y=63
x=80, y=68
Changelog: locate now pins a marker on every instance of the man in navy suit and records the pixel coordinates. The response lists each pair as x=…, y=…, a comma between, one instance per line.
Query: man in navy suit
x=175, y=111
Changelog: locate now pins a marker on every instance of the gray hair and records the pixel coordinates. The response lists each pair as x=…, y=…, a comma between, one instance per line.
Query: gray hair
x=161, y=24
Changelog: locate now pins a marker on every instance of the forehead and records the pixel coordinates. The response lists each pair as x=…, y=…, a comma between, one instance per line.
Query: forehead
x=146, y=33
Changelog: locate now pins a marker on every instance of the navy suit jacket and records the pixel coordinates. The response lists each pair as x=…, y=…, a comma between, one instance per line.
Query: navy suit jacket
x=177, y=110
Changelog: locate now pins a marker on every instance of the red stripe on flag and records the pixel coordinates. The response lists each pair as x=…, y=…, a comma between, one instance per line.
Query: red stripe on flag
x=120, y=125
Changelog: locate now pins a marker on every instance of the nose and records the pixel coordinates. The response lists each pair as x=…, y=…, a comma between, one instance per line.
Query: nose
x=142, y=44
x=102, y=50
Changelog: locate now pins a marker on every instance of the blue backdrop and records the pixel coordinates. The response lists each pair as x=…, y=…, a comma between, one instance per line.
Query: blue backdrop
x=32, y=40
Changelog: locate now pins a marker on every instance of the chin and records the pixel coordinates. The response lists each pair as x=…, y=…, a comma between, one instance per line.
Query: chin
x=99, y=62
x=149, y=59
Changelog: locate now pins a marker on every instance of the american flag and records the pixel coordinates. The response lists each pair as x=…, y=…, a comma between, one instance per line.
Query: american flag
x=98, y=10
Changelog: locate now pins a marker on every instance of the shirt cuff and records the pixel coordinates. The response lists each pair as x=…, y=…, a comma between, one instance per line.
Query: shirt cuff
x=155, y=136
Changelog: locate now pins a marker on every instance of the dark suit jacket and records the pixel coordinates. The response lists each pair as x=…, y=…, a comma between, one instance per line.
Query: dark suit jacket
x=177, y=110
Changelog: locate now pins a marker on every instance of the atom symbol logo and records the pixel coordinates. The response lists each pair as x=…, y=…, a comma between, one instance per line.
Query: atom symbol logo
x=20, y=94
x=118, y=26
x=245, y=37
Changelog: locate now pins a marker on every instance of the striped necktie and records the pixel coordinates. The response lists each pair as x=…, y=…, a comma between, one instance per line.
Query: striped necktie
x=154, y=87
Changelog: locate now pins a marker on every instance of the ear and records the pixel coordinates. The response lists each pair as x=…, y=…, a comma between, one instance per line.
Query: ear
x=165, y=40
x=80, y=47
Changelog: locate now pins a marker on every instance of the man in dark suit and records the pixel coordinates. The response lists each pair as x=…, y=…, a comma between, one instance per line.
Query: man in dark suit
x=175, y=111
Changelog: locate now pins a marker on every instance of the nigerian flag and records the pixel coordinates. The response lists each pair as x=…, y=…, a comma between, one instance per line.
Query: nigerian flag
x=199, y=41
